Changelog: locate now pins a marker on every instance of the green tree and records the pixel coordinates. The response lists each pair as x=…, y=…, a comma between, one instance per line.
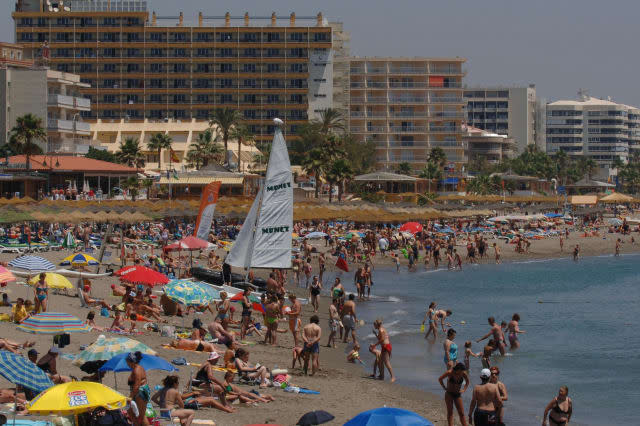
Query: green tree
x=562, y=163
x=101, y=154
x=309, y=137
x=360, y=155
x=203, y=150
x=338, y=173
x=331, y=120
x=225, y=119
x=147, y=184
x=132, y=185
x=27, y=130
x=130, y=153
x=438, y=156
x=314, y=164
x=158, y=142
x=244, y=137
x=404, y=168
x=431, y=171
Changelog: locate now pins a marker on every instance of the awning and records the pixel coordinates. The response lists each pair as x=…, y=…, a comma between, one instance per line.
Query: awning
x=449, y=181
x=201, y=180
x=584, y=199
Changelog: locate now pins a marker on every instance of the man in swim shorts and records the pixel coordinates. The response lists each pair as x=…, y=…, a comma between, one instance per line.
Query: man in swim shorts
x=485, y=402
x=294, y=317
x=496, y=332
x=311, y=334
x=349, y=319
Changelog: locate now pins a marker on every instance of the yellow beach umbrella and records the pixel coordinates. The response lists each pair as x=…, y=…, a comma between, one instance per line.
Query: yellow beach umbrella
x=75, y=398
x=52, y=280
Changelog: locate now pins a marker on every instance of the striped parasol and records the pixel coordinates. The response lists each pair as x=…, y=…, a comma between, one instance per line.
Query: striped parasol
x=79, y=259
x=6, y=275
x=104, y=349
x=20, y=371
x=190, y=293
x=32, y=263
x=53, y=323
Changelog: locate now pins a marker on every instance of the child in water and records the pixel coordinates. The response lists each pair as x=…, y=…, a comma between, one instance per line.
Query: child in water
x=486, y=355
x=469, y=353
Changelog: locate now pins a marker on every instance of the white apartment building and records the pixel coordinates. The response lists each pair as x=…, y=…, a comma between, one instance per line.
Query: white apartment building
x=407, y=106
x=597, y=128
x=507, y=111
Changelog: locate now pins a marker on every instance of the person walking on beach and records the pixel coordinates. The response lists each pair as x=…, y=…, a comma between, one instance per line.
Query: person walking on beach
x=485, y=402
x=349, y=319
x=513, y=329
x=430, y=315
x=450, y=350
x=561, y=243
x=496, y=250
x=576, y=252
x=559, y=409
x=502, y=389
x=385, y=350
x=457, y=259
x=368, y=271
x=294, y=317
x=311, y=334
x=314, y=293
x=454, y=390
x=321, y=266
x=618, y=247
x=334, y=323
x=496, y=332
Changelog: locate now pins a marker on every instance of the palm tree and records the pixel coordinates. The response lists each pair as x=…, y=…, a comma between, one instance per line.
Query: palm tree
x=27, y=130
x=331, y=119
x=618, y=164
x=132, y=184
x=339, y=171
x=130, y=153
x=244, y=137
x=404, y=168
x=158, y=142
x=562, y=165
x=204, y=149
x=314, y=163
x=225, y=119
x=438, y=156
x=431, y=171
x=147, y=184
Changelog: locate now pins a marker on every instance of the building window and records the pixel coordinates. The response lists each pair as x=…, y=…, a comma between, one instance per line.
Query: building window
x=297, y=53
x=156, y=83
x=179, y=99
x=156, y=68
x=249, y=99
x=273, y=83
x=271, y=37
x=250, y=113
x=226, y=83
x=249, y=68
x=226, y=98
x=273, y=99
x=273, y=67
x=226, y=67
x=179, y=83
x=321, y=37
x=250, y=53
x=155, y=99
x=226, y=53
x=296, y=37
x=296, y=68
x=202, y=68
x=295, y=99
x=202, y=99
x=180, y=53
x=202, y=52
x=157, y=52
x=179, y=67
x=155, y=36
x=251, y=83
x=226, y=37
x=133, y=67
x=273, y=53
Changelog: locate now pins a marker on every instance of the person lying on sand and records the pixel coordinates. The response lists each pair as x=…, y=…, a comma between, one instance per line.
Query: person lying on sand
x=192, y=345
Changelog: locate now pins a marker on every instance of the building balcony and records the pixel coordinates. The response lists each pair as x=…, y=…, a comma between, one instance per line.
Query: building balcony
x=408, y=144
x=72, y=102
x=71, y=146
x=446, y=100
x=407, y=70
x=408, y=100
x=408, y=129
x=68, y=126
x=444, y=129
x=376, y=99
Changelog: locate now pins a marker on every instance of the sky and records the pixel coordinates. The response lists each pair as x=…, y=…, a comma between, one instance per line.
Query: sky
x=560, y=46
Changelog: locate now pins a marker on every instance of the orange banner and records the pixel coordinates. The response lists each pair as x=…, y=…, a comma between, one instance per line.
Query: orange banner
x=207, y=208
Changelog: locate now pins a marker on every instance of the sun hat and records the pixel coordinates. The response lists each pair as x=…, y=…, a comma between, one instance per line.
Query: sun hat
x=213, y=356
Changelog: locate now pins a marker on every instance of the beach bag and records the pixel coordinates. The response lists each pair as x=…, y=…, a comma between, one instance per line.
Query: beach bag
x=168, y=331
x=104, y=312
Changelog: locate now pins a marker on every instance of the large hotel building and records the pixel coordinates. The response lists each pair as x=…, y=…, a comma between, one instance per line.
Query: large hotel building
x=141, y=66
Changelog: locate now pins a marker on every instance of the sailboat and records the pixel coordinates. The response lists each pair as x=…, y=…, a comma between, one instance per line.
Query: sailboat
x=264, y=241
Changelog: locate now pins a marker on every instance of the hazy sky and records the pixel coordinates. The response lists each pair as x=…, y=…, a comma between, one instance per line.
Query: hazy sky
x=559, y=45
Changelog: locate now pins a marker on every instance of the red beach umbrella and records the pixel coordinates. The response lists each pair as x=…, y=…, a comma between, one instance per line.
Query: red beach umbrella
x=144, y=275
x=124, y=270
x=189, y=243
x=413, y=227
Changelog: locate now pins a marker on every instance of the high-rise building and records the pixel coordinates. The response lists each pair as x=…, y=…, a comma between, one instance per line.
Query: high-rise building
x=143, y=66
x=504, y=110
x=407, y=106
x=597, y=128
x=53, y=96
x=482, y=145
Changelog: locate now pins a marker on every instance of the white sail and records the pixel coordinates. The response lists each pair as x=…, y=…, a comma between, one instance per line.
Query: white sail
x=242, y=249
x=270, y=244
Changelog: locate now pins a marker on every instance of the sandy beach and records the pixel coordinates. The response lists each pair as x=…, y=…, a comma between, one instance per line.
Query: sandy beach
x=344, y=388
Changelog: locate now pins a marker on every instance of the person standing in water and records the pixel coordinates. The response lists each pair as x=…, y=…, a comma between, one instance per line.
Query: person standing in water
x=559, y=409
x=513, y=329
x=502, y=389
x=576, y=252
x=496, y=332
x=385, y=350
x=450, y=350
x=432, y=323
x=485, y=402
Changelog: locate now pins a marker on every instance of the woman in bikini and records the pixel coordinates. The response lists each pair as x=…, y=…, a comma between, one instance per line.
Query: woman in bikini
x=454, y=390
x=140, y=392
x=513, y=330
x=192, y=345
x=432, y=323
x=559, y=409
x=223, y=309
x=170, y=402
x=385, y=349
x=41, y=293
x=246, y=314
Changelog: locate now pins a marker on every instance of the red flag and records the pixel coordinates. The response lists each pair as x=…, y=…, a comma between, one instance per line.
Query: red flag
x=342, y=264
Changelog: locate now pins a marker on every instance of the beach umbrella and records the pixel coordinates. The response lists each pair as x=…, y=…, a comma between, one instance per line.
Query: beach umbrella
x=144, y=275
x=412, y=227
x=190, y=243
x=69, y=241
x=252, y=298
x=53, y=280
x=6, y=275
x=316, y=234
x=149, y=362
x=388, y=416
x=76, y=398
x=32, y=263
x=79, y=259
x=103, y=349
x=53, y=323
x=124, y=270
x=315, y=418
x=190, y=293
x=20, y=371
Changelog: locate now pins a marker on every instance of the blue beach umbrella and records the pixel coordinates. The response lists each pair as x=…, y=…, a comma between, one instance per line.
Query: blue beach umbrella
x=20, y=371
x=32, y=263
x=149, y=362
x=190, y=293
x=79, y=259
x=388, y=417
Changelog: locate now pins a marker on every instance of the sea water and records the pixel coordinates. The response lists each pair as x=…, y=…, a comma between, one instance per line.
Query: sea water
x=580, y=318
